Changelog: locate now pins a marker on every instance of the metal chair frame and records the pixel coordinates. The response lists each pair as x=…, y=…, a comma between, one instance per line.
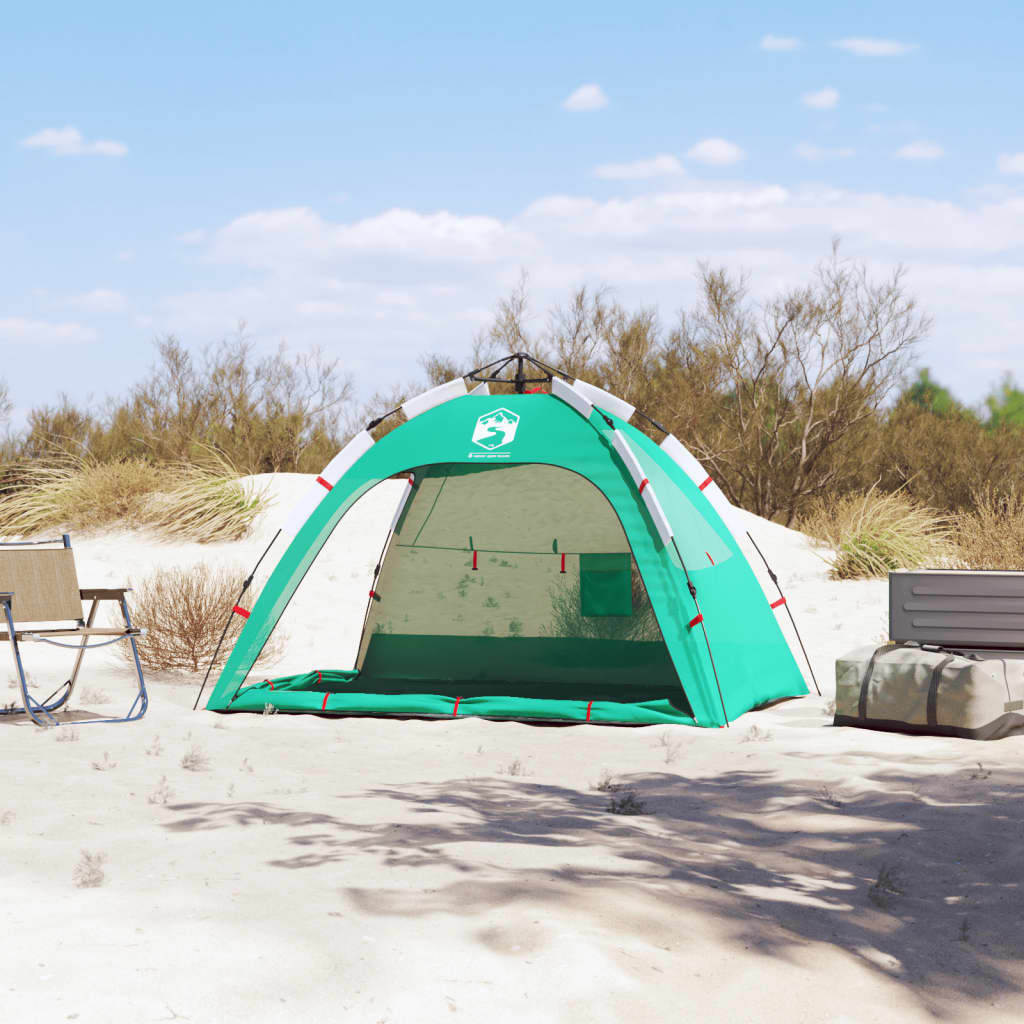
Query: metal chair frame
x=43, y=712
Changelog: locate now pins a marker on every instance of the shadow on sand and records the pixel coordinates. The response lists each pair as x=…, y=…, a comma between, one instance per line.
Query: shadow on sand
x=916, y=876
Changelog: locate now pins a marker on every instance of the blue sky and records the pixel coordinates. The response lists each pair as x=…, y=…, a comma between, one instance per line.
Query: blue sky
x=371, y=182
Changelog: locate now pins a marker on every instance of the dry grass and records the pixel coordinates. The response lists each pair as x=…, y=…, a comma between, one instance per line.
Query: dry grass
x=182, y=500
x=992, y=535
x=872, y=533
x=183, y=611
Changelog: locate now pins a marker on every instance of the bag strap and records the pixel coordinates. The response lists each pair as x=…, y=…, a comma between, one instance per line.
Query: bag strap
x=933, y=689
x=862, y=703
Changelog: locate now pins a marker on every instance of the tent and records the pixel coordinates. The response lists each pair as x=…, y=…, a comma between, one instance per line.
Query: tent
x=546, y=560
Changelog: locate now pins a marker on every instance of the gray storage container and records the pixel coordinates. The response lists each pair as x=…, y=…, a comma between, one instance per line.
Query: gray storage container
x=957, y=609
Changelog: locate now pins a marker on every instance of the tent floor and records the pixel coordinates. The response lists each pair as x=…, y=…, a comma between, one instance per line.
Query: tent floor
x=333, y=692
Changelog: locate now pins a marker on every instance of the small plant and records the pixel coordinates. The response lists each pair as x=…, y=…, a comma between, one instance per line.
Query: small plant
x=670, y=746
x=6, y=818
x=756, y=735
x=183, y=611
x=231, y=791
x=246, y=765
x=490, y=602
x=89, y=873
x=514, y=767
x=627, y=803
x=68, y=734
x=90, y=696
x=195, y=760
x=605, y=784
x=515, y=627
x=885, y=886
x=992, y=535
x=163, y=793
x=829, y=709
x=981, y=772
x=269, y=709
x=155, y=748
x=873, y=533
x=828, y=796
x=106, y=764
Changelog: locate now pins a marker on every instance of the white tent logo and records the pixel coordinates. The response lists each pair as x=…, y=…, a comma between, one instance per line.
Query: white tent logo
x=495, y=429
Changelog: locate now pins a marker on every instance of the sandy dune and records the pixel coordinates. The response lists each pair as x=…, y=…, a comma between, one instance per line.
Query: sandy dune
x=393, y=871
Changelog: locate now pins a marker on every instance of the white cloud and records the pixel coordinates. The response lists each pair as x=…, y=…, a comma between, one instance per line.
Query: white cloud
x=380, y=290
x=662, y=166
x=823, y=99
x=194, y=237
x=23, y=331
x=812, y=151
x=101, y=300
x=779, y=43
x=1011, y=163
x=867, y=46
x=716, y=152
x=586, y=98
x=69, y=141
x=921, y=149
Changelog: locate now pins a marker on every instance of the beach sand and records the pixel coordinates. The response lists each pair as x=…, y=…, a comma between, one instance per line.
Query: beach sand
x=392, y=871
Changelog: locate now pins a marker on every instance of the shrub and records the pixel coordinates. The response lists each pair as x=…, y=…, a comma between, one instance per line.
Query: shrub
x=872, y=533
x=193, y=502
x=183, y=611
x=992, y=536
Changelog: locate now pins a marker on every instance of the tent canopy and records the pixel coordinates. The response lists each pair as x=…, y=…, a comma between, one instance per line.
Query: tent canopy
x=538, y=567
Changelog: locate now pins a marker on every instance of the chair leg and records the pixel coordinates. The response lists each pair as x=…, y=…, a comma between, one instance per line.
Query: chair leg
x=142, y=700
x=36, y=711
x=81, y=653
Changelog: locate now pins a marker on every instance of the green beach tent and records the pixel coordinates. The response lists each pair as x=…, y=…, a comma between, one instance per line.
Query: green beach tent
x=546, y=561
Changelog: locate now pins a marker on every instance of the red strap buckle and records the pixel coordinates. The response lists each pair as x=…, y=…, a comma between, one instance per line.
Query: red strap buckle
x=709, y=480
x=778, y=604
x=323, y=483
x=643, y=484
x=695, y=621
x=239, y=610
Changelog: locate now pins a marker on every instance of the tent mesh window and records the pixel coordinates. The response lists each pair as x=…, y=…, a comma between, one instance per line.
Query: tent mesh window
x=512, y=580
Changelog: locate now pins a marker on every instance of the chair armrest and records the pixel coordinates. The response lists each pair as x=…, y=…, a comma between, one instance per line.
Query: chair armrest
x=104, y=594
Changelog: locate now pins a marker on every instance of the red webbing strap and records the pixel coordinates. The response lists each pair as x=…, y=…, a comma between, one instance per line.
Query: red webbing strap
x=710, y=559
x=563, y=563
x=455, y=710
x=589, y=706
x=271, y=683
x=643, y=484
x=706, y=482
x=239, y=610
x=695, y=621
x=323, y=483
x=474, y=558
x=323, y=707
x=778, y=604
x=373, y=593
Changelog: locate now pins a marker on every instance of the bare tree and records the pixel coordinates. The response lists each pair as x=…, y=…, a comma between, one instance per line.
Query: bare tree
x=775, y=397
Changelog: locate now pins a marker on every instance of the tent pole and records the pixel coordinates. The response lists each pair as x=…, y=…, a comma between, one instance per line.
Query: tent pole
x=700, y=615
x=775, y=580
x=227, y=625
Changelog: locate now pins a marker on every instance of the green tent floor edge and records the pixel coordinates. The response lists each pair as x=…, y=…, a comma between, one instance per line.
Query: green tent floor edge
x=276, y=694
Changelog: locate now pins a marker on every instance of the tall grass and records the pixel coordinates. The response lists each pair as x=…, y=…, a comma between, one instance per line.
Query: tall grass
x=872, y=533
x=202, y=503
x=991, y=536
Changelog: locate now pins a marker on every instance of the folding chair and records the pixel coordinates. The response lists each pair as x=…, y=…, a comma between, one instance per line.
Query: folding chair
x=39, y=584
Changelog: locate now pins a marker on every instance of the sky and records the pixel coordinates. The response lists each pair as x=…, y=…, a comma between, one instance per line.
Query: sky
x=371, y=179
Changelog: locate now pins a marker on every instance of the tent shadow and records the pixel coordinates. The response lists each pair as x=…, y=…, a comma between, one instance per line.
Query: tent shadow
x=916, y=876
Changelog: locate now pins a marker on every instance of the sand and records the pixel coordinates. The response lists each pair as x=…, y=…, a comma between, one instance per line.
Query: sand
x=393, y=871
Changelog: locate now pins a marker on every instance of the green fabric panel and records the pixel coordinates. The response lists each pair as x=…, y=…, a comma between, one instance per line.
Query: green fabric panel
x=606, y=584
x=654, y=712
x=552, y=667
x=754, y=662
